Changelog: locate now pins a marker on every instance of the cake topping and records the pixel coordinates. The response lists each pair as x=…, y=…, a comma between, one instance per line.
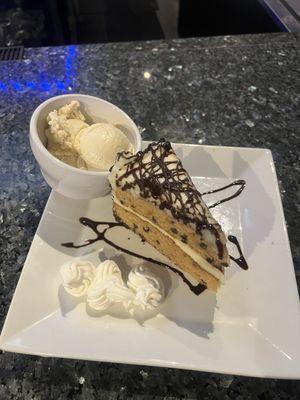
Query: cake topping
x=108, y=288
x=77, y=276
x=104, y=286
x=148, y=288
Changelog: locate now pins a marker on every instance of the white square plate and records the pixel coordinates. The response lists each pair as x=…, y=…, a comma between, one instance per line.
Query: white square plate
x=251, y=327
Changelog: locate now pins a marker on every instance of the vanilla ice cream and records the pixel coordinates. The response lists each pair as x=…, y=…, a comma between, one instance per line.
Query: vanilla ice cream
x=73, y=141
x=100, y=143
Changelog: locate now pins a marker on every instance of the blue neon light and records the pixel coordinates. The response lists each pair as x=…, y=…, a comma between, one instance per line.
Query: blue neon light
x=44, y=82
x=3, y=87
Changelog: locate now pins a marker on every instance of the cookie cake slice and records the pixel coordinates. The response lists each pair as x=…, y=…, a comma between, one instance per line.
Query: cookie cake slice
x=154, y=196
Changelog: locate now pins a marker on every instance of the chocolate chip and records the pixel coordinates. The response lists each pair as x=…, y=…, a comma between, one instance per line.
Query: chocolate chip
x=209, y=260
x=183, y=238
x=224, y=264
x=154, y=188
x=166, y=145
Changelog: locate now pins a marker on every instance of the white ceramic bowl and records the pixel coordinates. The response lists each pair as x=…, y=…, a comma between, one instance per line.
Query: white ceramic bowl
x=70, y=181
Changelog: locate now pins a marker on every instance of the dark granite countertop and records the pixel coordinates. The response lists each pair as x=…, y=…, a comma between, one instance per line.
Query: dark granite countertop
x=237, y=91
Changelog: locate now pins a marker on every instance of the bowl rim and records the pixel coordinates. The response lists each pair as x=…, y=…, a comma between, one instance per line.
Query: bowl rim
x=33, y=132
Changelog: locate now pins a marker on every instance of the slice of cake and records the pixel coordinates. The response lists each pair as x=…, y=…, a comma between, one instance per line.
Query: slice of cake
x=154, y=196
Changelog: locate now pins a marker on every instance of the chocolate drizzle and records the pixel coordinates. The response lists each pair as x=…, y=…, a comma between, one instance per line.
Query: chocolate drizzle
x=100, y=235
x=240, y=261
x=160, y=177
x=241, y=183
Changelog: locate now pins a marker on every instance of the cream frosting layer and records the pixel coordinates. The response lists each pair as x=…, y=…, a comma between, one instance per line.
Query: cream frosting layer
x=184, y=247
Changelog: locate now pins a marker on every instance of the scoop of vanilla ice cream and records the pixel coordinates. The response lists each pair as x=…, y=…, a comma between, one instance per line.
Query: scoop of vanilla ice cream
x=99, y=144
x=64, y=124
x=71, y=111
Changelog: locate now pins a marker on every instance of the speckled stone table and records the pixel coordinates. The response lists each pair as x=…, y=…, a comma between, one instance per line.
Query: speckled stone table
x=236, y=91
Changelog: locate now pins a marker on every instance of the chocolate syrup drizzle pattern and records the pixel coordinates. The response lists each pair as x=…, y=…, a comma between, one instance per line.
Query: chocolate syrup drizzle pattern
x=240, y=261
x=161, y=179
x=241, y=183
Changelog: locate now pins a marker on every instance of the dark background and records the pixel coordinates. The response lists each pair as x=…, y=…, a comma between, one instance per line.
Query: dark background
x=59, y=22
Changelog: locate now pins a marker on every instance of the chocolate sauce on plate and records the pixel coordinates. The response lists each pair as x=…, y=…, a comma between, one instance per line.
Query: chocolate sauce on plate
x=241, y=183
x=240, y=261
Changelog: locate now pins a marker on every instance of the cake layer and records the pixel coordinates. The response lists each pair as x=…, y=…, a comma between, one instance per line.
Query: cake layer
x=176, y=229
x=166, y=245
